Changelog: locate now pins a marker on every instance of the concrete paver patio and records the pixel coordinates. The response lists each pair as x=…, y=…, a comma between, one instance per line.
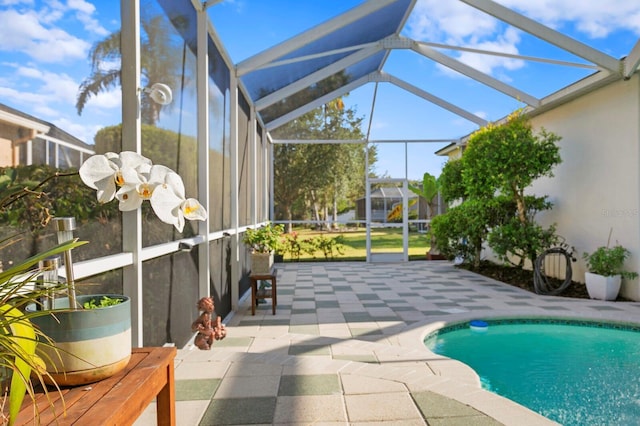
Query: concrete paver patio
x=345, y=348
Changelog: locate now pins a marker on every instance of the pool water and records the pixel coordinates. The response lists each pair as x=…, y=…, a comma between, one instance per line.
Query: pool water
x=572, y=373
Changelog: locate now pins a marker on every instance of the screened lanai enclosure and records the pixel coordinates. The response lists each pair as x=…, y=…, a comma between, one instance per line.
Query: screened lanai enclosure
x=228, y=117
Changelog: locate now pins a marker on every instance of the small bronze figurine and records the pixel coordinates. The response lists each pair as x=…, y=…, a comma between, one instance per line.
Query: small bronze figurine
x=207, y=331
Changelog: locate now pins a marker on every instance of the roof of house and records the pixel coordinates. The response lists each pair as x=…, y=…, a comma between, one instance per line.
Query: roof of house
x=449, y=148
x=19, y=118
x=390, y=193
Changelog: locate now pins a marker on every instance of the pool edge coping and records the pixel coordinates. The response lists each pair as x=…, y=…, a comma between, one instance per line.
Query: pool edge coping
x=464, y=383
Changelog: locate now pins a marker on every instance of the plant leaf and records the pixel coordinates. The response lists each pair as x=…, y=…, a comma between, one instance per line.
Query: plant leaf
x=23, y=341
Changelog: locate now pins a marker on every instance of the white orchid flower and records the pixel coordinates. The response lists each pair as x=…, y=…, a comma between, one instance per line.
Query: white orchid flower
x=105, y=173
x=171, y=206
x=132, y=179
x=139, y=185
x=193, y=210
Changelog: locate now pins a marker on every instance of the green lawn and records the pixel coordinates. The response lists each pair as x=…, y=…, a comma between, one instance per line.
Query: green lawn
x=355, y=243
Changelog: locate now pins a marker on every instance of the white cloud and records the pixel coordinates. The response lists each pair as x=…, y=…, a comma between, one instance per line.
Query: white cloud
x=455, y=23
x=15, y=2
x=14, y=96
x=81, y=6
x=33, y=30
x=52, y=12
x=60, y=87
x=47, y=95
x=505, y=43
x=84, y=12
x=110, y=100
x=596, y=19
x=45, y=103
x=45, y=112
x=84, y=132
x=24, y=33
x=108, y=65
x=449, y=22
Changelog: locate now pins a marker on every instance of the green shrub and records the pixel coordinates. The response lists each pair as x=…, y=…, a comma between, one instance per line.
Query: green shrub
x=608, y=261
x=462, y=230
x=264, y=239
x=329, y=245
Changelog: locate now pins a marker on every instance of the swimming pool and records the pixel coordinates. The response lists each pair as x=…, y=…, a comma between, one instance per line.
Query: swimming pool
x=573, y=372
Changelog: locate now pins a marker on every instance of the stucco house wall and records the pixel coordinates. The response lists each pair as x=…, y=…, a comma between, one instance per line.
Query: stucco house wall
x=596, y=188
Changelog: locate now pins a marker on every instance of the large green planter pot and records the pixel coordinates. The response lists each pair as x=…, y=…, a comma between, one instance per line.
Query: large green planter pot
x=92, y=344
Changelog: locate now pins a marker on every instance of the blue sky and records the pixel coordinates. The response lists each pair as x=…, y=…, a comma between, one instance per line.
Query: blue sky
x=44, y=47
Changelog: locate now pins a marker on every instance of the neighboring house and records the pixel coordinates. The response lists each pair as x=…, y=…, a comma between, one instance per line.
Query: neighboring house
x=453, y=151
x=26, y=140
x=384, y=200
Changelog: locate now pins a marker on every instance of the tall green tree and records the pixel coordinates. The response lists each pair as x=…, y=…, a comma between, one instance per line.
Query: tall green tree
x=314, y=179
x=428, y=191
x=506, y=159
x=450, y=181
x=159, y=64
x=463, y=229
x=499, y=164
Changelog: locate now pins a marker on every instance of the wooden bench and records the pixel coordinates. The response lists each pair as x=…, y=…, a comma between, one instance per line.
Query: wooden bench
x=267, y=293
x=118, y=400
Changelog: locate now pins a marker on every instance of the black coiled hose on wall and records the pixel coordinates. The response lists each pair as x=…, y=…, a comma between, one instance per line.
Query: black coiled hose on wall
x=548, y=268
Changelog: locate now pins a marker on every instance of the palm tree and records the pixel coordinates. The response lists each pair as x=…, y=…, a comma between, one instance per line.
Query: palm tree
x=158, y=53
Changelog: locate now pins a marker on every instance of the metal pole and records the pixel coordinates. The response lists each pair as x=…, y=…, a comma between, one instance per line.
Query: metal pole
x=65, y=227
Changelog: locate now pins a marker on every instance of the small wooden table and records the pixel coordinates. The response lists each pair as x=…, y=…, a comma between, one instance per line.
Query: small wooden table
x=117, y=400
x=269, y=293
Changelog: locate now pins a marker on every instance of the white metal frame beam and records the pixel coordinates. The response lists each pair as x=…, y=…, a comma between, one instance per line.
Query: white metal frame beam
x=473, y=73
x=318, y=102
x=434, y=99
x=208, y=3
x=545, y=33
x=427, y=50
x=510, y=55
x=362, y=141
x=375, y=76
x=131, y=141
x=366, y=50
x=288, y=46
x=235, y=218
x=65, y=144
x=632, y=61
x=312, y=56
x=316, y=76
x=202, y=99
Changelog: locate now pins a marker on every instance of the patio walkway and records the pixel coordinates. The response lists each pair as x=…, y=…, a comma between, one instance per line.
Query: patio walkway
x=345, y=348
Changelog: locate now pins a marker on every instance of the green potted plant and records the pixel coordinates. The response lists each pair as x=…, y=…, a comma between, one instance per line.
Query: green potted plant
x=20, y=286
x=59, y=320
x=19, y=359
x=605, y=271
x=263, y=241
x=89, y=343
